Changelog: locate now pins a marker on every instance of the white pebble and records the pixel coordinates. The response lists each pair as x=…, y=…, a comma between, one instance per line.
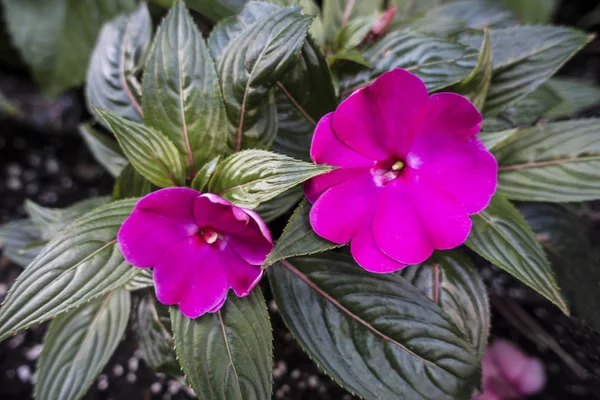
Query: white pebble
x=3, y=289
x=131, y=378
x=133, y=364
x=118, y=370
x=34, y=352
x=102, y=385
x=313, y=381
x=24, y=373
x=156, y=387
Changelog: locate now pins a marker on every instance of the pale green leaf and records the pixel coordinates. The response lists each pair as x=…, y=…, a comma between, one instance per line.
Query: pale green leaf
x=78, y=345
x=131, y=183
x=576, y=95
x=227, y=355
x=204, y=174
x=558, y=162
x=151, y=153
x=120, y=52
x=475, y=86
x=181, y=94
x=21, y=241
x=105, y=150
x=82, y=263
x=280, y=205
x=251, y=177
x=501, y=235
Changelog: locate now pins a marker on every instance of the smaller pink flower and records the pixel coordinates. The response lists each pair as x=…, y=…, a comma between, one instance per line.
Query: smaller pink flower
x=200, y=246
x=509, y=374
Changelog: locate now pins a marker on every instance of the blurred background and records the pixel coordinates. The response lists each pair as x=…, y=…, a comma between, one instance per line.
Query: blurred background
x=43, y=158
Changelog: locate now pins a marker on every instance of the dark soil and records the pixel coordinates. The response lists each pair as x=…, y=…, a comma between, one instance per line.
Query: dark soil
x=43, y=158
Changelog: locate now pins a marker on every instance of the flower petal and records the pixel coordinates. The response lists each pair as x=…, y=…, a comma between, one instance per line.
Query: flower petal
x=241, y=275
x=172, y=272
x=524, y=372
x=450, y=114
x=340, y=210
x=253, y=243
x=397, y=227
x=326, y=148
x=367, y=254
x=467, y=171
x=172, y=203
x=145, y=236
x=212, y=211
x=316, y=186
x=446, y=222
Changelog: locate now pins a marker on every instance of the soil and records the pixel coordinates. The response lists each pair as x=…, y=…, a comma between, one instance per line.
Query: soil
x=43, y=158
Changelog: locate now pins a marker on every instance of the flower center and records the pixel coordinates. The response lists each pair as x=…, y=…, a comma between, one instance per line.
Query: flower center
x=209, y=236
x=384, y=172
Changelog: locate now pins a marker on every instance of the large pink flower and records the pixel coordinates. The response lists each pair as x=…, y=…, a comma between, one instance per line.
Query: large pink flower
x=200, y=246
x=411, y=171
x=509, y=374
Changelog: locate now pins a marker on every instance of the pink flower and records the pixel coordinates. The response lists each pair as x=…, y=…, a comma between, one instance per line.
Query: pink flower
x=200, y=245
x=509, y=374
x=411, y=171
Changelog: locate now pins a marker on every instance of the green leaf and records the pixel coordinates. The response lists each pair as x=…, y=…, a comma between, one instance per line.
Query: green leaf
x=298, y=238
x=254, y=56
x=501, y=235
x=475, y=86
x=451, y=280
x=491, y=140
x=438, y=62
x=21, y=241
x=574, y=258
x=280, y=205
x=299, y=109
x=558, y=162
x=251, y=177
x=353, y=56
x=519, y=70
x=142, y=280
x=409, y=8
x=56, y=37
x=531, y=108
x=131, y=184
x=205, y=173
x=155, y=340
x=473, y=14
x=376, y=335
x=216, y=10
x=151, y=153
x=51, y=221
x=576, y=95
x=106, y=151
x=78, y=345
x=82, y=263
x=227, y=355
x=120, y=52
x=353, y=33
x=181, y=94
x=337, y=13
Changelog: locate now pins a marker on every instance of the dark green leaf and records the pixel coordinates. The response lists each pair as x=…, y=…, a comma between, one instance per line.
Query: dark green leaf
x=227, y=355
x=376, y=335
x=576, y=95
x=181, y=94
x=518, y=70
x=475, y=86
x=353, y=33
x=280, y=205
x=298, y=238
x=216, y=9
x=353, y=56
x=300, y=109
x=155, y=340
x=574, y=258
x=249, y=65
x=21, y=241
x=82, y=263
x=533, y=11
x=528, y=110
x=56, y=37
x=151, y=153
x=106, y=151
x=251, y=177
x=438, y=62
x=131, y=184
x=78, y=345
x=118, y=56
x=451, y=280
x=205, y=173
x=474, y=14
x=558, y=162
x=501, y=235
x=409, y=8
